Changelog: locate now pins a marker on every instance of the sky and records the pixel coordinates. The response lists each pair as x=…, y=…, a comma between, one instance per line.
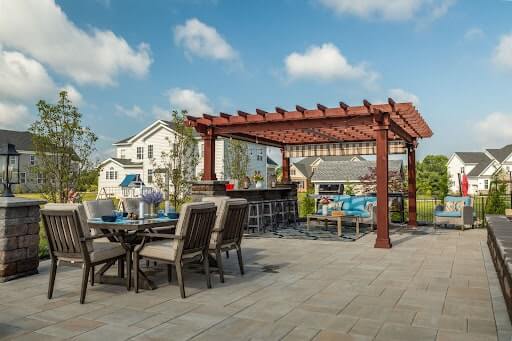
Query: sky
x=126, y=63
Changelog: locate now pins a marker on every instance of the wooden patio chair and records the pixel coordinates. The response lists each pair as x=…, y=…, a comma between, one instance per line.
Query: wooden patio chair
x=70, y=241
x=228, y=231
x=188, y=244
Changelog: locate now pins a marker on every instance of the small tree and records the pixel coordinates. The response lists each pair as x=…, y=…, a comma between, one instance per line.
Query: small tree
x=179, y=162
x=237, y=160
x=432, y=176
x=63, y=148
x=306, y=203
x=495, y=203
x=349, y=189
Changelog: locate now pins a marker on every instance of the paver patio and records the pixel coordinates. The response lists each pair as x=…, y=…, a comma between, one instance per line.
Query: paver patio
x=429, y=286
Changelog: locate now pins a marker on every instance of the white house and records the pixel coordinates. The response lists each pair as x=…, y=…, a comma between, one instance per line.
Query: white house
x=136, y=156
x=479, y=167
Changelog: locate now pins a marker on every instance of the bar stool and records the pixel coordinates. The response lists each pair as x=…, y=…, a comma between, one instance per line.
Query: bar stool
x=268, y=214
x=255, y=214
x=280, y=209
x=292, y=211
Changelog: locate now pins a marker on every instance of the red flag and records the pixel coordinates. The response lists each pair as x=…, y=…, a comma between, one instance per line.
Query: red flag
x=465, y=185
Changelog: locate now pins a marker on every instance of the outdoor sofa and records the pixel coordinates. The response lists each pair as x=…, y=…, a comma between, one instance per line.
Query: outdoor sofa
x=455, y=211
x=364, y=207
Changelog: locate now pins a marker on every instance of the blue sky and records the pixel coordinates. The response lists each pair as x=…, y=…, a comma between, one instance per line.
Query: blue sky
x=128, y=62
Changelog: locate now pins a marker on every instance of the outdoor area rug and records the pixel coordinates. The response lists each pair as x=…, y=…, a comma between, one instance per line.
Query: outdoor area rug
x=316, y=232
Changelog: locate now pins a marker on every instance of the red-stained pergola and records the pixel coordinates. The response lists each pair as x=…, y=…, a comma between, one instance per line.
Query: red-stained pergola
x=379, y=124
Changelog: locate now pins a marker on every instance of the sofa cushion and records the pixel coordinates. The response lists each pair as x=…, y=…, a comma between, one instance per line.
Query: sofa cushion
x=447, y=213
x=466, y=200
x=357, y=213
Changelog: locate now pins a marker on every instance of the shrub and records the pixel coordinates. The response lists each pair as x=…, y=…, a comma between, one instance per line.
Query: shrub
x=306, y=204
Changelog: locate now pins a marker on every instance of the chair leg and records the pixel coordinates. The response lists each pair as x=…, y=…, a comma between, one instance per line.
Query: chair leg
x=85, y=280
x=179, y=274
x=218, y=256
x=120, y=268
x=128, y=270
x=169, y=273
x=53, y=272
x=240, y=260
x=206, y=265
x=227, y=253
x=136, y=271
x=92, y=276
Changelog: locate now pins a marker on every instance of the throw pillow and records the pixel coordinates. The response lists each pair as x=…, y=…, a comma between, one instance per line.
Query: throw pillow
x=450, y=206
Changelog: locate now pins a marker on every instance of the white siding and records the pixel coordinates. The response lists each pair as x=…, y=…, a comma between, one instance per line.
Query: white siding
x=121, y=173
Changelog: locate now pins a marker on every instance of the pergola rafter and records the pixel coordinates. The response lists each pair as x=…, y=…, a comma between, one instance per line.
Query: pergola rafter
x=376, y=123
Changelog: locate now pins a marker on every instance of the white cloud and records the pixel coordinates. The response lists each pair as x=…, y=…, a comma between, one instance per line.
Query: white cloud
x=400, y=95
x=203, y=41
x=14, y=116
x=41, y=29
x=161, y=113
x=196, y=103
x=73, y=94
x=474, y=33
x=503, y=53
x=396, y=10
x=325, y=63
x=133, y=112
x=23, y=78
x=494, y=129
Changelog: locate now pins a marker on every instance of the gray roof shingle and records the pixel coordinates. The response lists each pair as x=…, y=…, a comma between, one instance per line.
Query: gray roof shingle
x=127, y=162
x=501, y=154
x=472, y=157
x=304, y=165
x=21, y=139
x=348, y=171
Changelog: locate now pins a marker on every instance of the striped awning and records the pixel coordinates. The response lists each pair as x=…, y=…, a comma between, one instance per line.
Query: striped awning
x=342, y=149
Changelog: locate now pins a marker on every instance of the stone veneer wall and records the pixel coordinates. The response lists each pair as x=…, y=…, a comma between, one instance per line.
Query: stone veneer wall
x=19, y=237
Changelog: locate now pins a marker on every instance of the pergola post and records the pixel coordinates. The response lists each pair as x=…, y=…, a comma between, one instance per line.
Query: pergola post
x=209, y=155
x=285, y=166
x=381, y=135
x=411, y=172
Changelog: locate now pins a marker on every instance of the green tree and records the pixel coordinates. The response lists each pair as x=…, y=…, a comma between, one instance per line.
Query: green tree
x=179, y=162
x=307, y=203
x=495, y=203
x=237, y=160
x=63, y=147
x=432, y=176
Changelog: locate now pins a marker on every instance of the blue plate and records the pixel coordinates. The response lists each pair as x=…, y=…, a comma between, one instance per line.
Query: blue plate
x=108, y=218
x=173, y=215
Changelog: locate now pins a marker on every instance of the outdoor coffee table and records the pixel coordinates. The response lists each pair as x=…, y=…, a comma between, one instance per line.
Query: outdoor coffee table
x=338, y=219
x=125, y=231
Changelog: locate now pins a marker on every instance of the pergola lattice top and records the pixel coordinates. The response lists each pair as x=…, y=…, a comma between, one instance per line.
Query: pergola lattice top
x=320, y=125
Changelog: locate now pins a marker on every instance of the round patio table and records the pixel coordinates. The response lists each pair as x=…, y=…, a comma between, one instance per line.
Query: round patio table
x=125, y=231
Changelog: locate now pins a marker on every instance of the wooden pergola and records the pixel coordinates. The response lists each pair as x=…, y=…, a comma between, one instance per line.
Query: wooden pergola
x=369, y=123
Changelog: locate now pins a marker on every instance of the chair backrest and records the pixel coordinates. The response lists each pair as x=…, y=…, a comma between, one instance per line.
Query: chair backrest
x=64, y=233
x=194, y=226
x=220, y=202
x=236, y=218
x=82, y=216
x=98, y=208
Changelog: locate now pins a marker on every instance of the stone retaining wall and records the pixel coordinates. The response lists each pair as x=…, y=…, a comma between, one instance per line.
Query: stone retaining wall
x=19, y=237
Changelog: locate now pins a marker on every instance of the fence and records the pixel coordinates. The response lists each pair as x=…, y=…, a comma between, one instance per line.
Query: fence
x=425, y=208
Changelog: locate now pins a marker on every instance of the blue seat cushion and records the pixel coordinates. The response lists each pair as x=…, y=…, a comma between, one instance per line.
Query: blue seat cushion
x=466, y=200
x=357, y=213
x=447, y=214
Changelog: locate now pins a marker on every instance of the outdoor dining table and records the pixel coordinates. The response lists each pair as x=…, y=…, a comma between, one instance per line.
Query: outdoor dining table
x=125, y=231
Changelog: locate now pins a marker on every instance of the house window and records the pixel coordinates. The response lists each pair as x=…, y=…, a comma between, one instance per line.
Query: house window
x=122, y=154
x=40, y=178
x=150, y=151
x=32, y=160
x=111, y=174
x=292, y=171
x=12, y=160
x=23, y=178
x=150, y=176
x=486, y=184
x=140, y=153
x=259, y=157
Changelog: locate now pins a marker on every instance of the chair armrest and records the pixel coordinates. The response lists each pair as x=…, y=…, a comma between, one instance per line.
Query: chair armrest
x=98, y=236
x=467, y=215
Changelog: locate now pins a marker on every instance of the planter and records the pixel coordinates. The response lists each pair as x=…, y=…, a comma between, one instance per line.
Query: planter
x=325, y=210
x=259, y=184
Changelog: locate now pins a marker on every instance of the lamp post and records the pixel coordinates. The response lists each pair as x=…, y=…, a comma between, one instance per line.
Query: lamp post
x=9, y=168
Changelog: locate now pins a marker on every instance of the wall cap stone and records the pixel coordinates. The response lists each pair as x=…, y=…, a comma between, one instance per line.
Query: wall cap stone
x=20, y=202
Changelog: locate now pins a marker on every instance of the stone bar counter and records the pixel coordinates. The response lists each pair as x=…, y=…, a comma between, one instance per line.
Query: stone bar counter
x=19, y=237
x=218, y=188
